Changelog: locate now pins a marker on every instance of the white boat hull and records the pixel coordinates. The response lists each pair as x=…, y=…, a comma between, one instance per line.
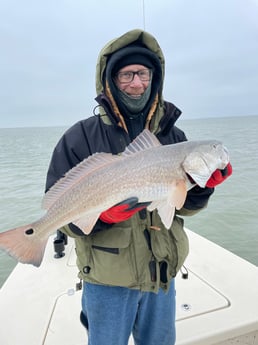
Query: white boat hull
x=217, y=304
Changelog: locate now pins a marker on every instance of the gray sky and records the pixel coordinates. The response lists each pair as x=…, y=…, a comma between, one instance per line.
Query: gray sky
x=49, y=50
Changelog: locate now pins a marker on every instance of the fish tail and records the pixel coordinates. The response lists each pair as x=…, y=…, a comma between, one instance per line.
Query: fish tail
x=22, y=244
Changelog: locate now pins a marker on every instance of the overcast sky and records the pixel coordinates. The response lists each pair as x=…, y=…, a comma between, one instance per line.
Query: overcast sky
x=49, y=50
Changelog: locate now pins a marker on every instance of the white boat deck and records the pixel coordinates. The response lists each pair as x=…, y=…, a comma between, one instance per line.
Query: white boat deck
x=217, y=304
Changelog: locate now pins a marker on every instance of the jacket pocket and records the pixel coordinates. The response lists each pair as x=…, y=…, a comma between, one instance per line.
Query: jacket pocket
x=181, y=241
x=170, y=245
x=110, y=254
x=106, y=249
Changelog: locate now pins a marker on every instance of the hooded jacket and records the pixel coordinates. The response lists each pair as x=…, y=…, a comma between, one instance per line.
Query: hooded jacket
x=131, y=253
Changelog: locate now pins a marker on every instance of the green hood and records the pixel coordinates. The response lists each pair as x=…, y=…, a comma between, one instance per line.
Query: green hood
x=130, y=37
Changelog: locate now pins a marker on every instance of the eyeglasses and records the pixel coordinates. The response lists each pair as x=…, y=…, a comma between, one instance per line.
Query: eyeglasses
x=128, y=76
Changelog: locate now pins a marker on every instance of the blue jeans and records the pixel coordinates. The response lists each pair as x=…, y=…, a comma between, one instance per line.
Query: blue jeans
x=113, y=313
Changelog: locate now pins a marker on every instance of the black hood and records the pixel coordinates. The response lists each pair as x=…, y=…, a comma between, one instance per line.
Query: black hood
x=129, y=55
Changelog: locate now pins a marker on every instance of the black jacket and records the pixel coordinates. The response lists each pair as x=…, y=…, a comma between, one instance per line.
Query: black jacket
x=93, y=135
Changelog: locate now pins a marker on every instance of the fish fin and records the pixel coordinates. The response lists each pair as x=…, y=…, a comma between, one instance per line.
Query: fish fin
x=87, y=167
x=180, y=195
x=86, y=223
x=153, y=205
x=166, y=208
x=166, y=212
x=144, y=141
x=22, y=246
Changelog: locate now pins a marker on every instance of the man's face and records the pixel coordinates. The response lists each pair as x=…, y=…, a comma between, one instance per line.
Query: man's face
x=133, y=79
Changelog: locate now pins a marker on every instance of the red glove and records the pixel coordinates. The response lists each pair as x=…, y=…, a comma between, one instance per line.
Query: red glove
x=122, y=211
x=219, y=176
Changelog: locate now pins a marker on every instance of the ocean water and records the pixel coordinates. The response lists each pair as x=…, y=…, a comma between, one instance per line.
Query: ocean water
x=230, y=220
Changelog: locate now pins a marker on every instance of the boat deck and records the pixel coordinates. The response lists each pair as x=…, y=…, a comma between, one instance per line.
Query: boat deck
x=217, y=304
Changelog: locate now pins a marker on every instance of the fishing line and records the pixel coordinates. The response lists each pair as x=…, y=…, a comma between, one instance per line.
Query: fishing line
x=143, y=14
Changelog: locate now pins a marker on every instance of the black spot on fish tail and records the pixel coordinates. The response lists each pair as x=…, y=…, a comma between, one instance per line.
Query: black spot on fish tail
x=29, y=232
x=19, y=243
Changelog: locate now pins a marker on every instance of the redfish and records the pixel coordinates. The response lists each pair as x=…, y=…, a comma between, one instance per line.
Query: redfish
x=146, y=170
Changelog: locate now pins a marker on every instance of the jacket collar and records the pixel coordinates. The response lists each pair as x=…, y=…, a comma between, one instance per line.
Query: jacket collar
x=162, y=117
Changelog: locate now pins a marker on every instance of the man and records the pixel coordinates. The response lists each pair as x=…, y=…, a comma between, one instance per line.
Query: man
x=128, y=267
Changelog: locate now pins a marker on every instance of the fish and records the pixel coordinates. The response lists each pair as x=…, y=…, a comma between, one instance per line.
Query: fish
x=158, y=175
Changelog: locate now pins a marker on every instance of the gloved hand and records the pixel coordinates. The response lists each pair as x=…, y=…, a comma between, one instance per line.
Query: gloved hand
x=219, y=176
x=122, y=211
